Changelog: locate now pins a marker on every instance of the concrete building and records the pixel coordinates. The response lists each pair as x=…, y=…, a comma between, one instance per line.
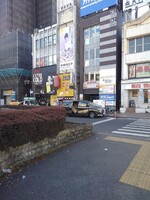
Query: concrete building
x=135, y=82
x=100, y=52
x=17, y=22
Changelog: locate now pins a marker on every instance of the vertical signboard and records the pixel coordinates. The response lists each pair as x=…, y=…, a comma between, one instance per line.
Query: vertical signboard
x=66, y=48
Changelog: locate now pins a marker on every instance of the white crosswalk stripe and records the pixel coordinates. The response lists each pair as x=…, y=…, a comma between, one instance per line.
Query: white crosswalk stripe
x=140, y=128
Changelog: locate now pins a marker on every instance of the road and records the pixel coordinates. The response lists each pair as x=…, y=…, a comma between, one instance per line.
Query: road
x=97, y=168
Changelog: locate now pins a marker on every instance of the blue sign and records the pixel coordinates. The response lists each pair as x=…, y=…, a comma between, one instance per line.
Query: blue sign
x=107, y=97
x=91, y=6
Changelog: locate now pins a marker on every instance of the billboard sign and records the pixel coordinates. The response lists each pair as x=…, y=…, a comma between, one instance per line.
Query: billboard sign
x=90, y=6
x=66, y=48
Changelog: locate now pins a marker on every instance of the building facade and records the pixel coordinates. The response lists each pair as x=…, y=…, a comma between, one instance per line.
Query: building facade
x=44, y=46
x=100, y=52
x=17, y=22
x=136, y=63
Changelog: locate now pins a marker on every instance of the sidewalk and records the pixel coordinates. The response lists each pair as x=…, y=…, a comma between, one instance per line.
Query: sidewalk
x=131, y=115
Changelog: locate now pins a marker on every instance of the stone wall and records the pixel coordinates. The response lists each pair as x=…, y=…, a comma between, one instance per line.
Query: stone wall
x=30, y=151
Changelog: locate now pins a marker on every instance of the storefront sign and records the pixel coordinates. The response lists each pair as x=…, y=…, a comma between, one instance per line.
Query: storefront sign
x=37, y=77
x=107, y=97
x=90, y=84
x=140, y=85
x=107, y=89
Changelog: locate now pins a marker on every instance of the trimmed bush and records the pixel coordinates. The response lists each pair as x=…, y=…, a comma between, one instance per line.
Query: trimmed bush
x=18, y=127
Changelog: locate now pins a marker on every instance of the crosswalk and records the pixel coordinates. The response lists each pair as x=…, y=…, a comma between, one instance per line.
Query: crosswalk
x=138, y=128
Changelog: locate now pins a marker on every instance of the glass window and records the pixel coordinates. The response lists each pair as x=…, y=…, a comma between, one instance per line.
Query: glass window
x=97, y=30
x=86, y=33
x=37, y=62
x=97, y=76
x=139, y=45
x=42, y=43
x=86, y=77
x=92, y=54
x=134, y=93
x=86, y=55
x=86, y=41
x=45, y=42
x=50, y=60
x=45, y=61
x=97, y=53
x=54, y=59
x=50, y=40
x=91, y=77
x=132, y=46
x=54, y=39
x=92, y=31
x=37, y=44
x=147, y=43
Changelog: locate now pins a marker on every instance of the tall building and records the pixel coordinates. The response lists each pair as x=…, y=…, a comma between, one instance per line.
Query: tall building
x=17, y=22
x=100, y=51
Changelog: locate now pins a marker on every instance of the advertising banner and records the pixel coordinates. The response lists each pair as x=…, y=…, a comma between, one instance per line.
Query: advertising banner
x=141, y=95
x=91, y=6
x=148, y=96
x=64, y=90
x=107, y=97
x=37, y=76
x=66, y=48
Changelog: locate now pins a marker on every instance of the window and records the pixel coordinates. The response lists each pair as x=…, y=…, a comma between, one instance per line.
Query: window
x=147, y=43
x=86, y=33
x=91, y=54
x=97, y=53
x=86, y=77
x=139, y=45
x=134, y=93
x=50, y=60
x=45, y=42
x=86, y=55
x=50, y=40
x=42, y=43
x=91, y=77
x=145, y=96
x=97, y=76
x=45, y=61
x=131, y=46
x=54, y=39
x=37, y=44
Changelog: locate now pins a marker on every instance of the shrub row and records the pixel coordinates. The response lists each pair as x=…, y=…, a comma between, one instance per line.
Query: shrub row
x=18, y=127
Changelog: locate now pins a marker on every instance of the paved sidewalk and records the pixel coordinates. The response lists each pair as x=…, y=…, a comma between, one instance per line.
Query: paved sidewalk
x=131, y=115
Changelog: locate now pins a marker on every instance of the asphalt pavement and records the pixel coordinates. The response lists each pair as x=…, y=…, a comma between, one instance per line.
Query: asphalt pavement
x=97, y=168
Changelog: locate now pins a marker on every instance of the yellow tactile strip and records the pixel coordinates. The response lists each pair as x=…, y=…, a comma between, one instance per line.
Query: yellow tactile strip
x=138, y=172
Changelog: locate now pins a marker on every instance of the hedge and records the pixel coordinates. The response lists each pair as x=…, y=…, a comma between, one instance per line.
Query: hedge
x=18, y=127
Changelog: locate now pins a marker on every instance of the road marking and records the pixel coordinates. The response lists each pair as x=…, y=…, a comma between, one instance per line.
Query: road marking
x=135, y=128
x=135, y=131
x=138, y=172
x=106, y=120
x=133, y=134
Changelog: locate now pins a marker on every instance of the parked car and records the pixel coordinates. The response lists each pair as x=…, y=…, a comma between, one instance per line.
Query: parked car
x=30, y=101
x=82, y=108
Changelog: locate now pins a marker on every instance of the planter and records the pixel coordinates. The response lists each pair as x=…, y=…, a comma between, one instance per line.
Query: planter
x=122, y=110
x=140, y=110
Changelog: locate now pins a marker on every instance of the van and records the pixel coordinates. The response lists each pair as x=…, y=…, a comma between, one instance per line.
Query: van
x=82, y=108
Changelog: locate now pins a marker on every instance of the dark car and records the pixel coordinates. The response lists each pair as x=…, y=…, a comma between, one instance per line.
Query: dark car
x=82, y=108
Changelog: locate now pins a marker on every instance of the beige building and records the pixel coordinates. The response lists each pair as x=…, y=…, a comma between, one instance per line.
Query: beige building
x=135, y=83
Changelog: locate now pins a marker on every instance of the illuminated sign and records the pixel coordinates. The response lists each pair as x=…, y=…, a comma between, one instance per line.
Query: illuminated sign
x=91, y=6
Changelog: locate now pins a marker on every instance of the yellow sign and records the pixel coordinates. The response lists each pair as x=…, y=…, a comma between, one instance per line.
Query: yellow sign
x=53, y=100
x=64, y=90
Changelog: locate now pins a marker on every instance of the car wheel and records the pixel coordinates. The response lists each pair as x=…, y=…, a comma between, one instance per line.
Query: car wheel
x=92, y=115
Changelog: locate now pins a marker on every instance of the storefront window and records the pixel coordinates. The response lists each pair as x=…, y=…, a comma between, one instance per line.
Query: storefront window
x=134, y=93
x=145, y=96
